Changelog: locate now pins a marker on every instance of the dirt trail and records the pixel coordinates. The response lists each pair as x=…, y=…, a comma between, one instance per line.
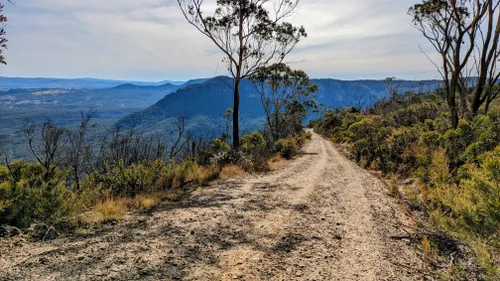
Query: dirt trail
x=319, y=218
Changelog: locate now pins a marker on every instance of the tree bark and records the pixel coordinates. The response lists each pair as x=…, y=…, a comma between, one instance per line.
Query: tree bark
x=487, y=106
x=236, y=110
x=454, y=116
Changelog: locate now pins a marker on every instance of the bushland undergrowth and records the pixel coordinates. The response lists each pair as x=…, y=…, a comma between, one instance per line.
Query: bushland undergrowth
x=457, y=171
x=70, y=184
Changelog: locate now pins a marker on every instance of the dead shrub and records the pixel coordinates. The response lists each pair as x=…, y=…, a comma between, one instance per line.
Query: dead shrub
x=231, y=171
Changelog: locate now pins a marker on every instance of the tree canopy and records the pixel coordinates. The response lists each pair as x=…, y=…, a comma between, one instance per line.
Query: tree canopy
x=250, y=33
x=465, y=34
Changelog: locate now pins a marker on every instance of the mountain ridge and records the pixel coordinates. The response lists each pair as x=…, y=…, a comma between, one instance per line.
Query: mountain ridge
x=208, y=101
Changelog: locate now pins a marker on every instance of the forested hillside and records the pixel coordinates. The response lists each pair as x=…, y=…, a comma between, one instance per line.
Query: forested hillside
x=198, y=101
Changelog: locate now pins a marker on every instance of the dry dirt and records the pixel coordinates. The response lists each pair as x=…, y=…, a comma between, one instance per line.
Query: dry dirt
x=320, y=217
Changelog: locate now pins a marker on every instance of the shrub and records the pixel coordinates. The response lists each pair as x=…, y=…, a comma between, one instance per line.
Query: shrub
x=480, y=195
x=253, y=143
x=218, y=146
x=150, y=177
x=29, y=196
x=131, y=180
x=189, y=172
x=287, y=148
x=231, y=157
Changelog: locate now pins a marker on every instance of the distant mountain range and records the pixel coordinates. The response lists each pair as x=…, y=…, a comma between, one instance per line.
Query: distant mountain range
x=73, y=83
x=206, y=102
x=154, y=107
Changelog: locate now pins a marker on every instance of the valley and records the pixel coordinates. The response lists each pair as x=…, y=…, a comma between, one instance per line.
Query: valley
x=153, y=109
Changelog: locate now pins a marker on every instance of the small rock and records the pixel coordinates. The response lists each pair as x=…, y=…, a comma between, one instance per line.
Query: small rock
x=43, y=260
x=407, y=181
x=298, y=274
x=338, y=237
x=9, y=231
x=19, y=243
x=80, y=258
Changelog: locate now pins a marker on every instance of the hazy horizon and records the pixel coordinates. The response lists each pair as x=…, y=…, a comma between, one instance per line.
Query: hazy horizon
x=195, y=78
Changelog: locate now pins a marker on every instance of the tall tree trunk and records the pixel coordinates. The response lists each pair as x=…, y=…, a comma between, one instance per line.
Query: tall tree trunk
x=487, y=105
x=454, y=116
x=477, y=100
x=452, y=104
x=236, y=110
x=277, y=125
x=463, y=105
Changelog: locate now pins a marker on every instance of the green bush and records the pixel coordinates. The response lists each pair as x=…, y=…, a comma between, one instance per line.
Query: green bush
x=28, y=195
x=131, y=180
x=149, y=177
x=253, y=143
x=287, y=148
x=482, y=193
x=458, y=170
x=219, y=145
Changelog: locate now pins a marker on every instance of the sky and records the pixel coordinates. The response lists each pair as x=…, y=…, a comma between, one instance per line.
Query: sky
x=149, y=40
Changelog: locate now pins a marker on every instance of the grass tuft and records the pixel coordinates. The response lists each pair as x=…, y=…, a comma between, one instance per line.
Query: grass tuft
x=231, y=171
x=275, y=162
x=111, y=209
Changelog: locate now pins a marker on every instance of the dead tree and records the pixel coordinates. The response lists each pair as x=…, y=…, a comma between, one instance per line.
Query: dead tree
x=79, y=150
x=181, y=139
x=48, y=150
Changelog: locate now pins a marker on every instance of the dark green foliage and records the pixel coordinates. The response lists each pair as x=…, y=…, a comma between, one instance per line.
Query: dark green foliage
x=288, y=147
x=27, y=195
x=253, y=143
x=218, y=146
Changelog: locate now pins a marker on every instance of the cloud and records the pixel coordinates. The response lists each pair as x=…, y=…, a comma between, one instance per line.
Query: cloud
x=150, y=40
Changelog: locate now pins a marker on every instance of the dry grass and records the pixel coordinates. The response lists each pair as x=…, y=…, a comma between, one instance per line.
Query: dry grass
x=394, y=188
x=208, y=174
x=231, y=171
x=429, y=248
x=114, y=209
x=275, y=162
x=144, y=201
x=111, y=209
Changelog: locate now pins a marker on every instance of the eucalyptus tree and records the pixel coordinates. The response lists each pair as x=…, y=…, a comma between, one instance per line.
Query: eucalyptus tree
x=486, y=58
x=250, y=33
x=465, y=35
x=285, y=94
